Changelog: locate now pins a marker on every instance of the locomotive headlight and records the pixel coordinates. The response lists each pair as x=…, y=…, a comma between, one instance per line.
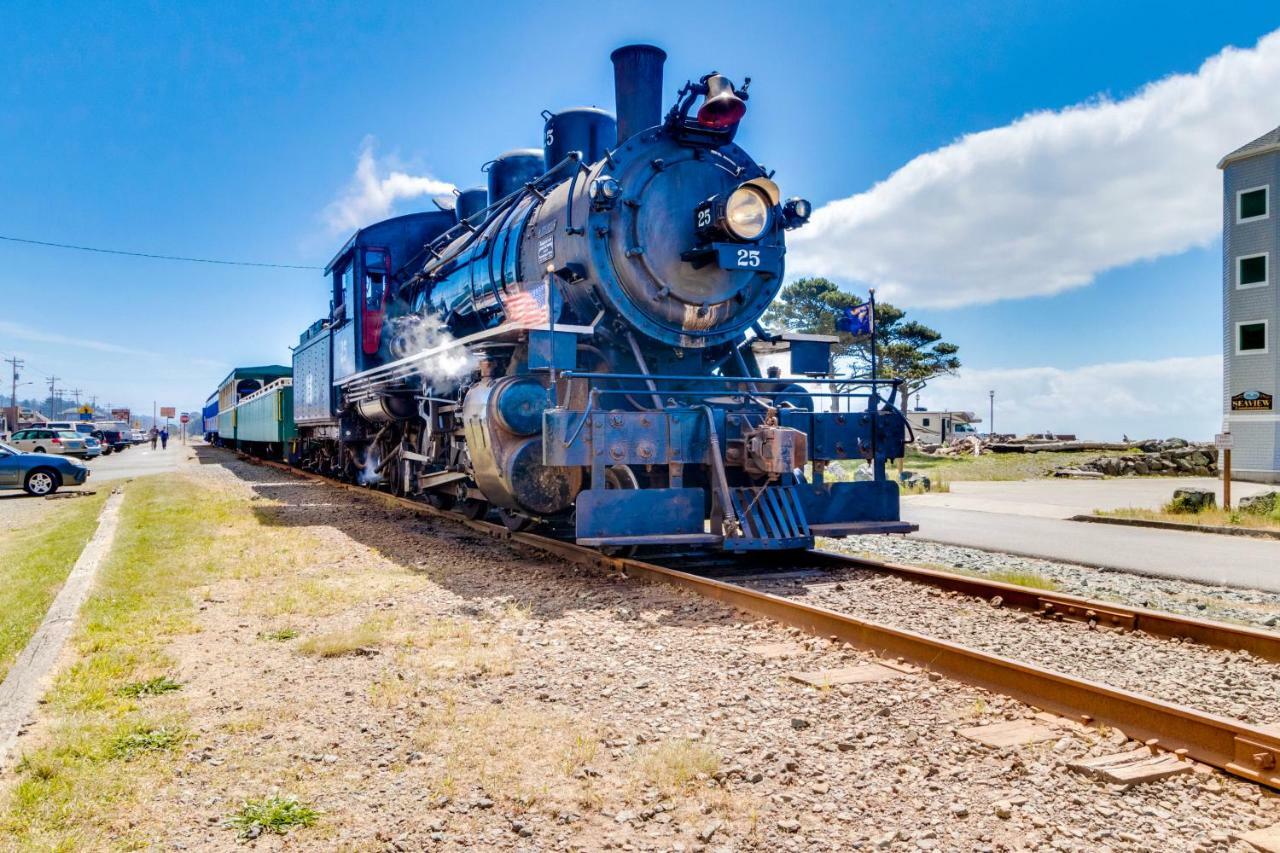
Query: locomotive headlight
x=746, y=213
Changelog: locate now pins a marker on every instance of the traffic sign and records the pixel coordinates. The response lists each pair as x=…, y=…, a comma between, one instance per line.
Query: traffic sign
x=1222, y=441
x=186, y=419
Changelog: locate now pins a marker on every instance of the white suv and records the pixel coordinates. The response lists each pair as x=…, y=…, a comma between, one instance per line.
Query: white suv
x=52, y=441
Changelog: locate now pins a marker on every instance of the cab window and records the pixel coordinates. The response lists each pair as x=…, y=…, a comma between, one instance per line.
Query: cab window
x=375, y=278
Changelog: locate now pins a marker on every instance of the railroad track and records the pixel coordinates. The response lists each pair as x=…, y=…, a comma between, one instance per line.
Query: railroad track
x=1233, y=746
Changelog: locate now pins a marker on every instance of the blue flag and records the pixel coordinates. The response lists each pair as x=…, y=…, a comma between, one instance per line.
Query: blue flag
x=857, y=320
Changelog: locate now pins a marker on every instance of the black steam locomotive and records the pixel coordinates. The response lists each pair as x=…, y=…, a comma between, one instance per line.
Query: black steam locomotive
x=577, y=345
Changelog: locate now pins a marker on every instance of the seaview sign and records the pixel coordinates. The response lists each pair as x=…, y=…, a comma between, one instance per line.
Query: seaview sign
x=1251, y=401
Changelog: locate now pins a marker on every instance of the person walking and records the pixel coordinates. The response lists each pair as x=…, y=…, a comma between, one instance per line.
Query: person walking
x=164, y=438
x=155, y=436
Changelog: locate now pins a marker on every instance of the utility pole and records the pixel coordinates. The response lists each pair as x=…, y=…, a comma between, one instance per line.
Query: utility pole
x=16, y=362
x=991, y=422
x=53, y=397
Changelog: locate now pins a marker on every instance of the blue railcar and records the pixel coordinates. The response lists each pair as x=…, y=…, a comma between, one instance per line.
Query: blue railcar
x=577, y=345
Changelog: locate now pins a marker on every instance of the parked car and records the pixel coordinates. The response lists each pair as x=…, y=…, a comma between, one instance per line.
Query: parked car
x=112, y=438
x=93, y=447
x=137, y=436
x=38, y=473
x=51, y=441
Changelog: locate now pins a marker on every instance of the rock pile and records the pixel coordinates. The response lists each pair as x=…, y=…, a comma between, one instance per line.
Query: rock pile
x=1266, y=503
x=1167, y=459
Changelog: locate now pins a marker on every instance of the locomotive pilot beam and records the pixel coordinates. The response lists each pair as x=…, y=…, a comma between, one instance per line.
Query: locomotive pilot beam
x=576, y=345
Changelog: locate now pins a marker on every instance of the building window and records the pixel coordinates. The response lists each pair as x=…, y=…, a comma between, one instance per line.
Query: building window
x=1251, y=271
x=926, y=422
x=1251, y=337
x=1252, y=204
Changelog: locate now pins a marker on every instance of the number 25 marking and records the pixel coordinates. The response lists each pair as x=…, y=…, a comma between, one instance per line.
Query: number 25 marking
x=748, y=257
x=704, y=217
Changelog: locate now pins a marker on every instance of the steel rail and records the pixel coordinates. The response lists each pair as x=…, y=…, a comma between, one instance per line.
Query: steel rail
x=1057, y=605
x=1233, y=746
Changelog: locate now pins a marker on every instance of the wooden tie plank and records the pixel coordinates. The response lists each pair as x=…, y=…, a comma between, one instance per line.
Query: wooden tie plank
x=1267, y=839
x=774, y=651
x=1010, y=733
x=859, y=674
x=1132, y=767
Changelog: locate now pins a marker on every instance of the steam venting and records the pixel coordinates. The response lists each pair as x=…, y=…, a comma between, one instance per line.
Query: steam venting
x=442, y=362
x=637, y=86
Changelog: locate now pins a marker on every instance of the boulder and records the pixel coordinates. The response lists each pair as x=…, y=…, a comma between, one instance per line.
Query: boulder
x=1192, y=500
x=914, y=479
x=1261, y=504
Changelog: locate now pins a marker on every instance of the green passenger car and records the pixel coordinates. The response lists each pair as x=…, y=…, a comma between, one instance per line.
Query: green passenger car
x=264, y=421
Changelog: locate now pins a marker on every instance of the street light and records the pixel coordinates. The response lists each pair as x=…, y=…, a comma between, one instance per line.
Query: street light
x=991, y=417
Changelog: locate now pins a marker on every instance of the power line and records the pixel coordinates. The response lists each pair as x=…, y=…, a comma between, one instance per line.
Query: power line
x=155, y=256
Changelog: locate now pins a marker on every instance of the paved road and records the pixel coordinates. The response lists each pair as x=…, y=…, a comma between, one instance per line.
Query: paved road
x=138, y=461
x=1208, y=558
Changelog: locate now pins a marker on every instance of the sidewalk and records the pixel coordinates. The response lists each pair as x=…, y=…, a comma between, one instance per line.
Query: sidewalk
x=1028, y=518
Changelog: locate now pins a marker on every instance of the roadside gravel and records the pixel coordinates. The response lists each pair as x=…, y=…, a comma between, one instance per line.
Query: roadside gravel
x=509, y=701
x=1249, y=607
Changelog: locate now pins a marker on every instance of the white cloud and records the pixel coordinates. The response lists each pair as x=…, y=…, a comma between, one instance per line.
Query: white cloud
x=1046, y=203
x=1142, y=399
x=26, y=333
x=374, y=190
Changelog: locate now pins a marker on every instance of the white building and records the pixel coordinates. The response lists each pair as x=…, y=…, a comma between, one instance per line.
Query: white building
x=1251, y=307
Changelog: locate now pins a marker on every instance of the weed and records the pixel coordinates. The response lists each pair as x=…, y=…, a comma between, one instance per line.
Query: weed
x=151, y=687
x=279, y=635
x=273, y=814
x=674, y=765
x=1035, y=580
x=370, y=633
x=978, y=708
x=128, y=745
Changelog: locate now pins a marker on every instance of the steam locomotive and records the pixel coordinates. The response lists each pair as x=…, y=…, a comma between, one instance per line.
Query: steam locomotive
x=576, y=346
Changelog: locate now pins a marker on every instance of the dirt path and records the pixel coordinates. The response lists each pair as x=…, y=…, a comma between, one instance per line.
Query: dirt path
x=425, y=688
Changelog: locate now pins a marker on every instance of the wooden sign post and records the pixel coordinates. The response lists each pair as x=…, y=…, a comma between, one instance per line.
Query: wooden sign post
x=1223, y=442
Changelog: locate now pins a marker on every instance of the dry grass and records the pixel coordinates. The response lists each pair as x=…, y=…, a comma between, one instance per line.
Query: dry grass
x=522, y=753
x=674, y=766
x=367, y=635
x=1217, y=517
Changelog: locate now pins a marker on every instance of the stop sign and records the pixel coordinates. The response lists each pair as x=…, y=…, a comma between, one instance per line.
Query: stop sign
x=185, y=419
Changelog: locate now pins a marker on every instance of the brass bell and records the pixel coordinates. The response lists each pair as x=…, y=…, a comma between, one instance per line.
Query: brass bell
x=721, y=107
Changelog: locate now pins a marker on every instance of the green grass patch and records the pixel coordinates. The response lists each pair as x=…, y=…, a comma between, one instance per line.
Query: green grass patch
x=274, y=815
x=150, y=687
x=1035, y=580
x=280, y=635
x=64, y=798
x=34, y=563
x=158, y=739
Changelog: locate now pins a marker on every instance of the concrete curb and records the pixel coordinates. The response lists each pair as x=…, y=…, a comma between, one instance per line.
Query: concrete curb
x=33, y=670
x=1173, y=525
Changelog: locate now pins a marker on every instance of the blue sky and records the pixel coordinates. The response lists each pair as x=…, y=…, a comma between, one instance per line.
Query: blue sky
x=230, y=131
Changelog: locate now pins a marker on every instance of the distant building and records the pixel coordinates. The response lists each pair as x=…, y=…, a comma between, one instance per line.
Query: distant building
x=1250, y=307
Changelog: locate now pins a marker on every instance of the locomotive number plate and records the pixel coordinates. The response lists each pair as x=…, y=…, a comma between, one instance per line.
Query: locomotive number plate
x=735, y=256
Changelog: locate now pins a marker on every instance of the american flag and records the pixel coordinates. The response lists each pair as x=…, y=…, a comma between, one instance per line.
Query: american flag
x=527, y=307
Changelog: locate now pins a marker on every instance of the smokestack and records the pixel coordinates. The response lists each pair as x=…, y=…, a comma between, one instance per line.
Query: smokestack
x=637, y=84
